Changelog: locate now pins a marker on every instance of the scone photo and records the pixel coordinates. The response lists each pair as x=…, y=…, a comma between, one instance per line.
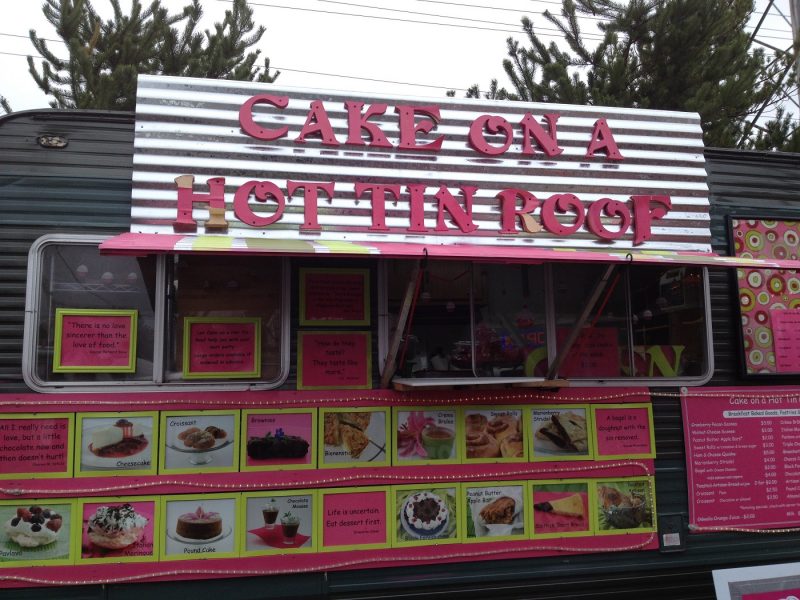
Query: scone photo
x=119, y=530
x=199, y=526
x=494, y=511
x=199, y=441
x=354, y=437
x=561, y=433
x=36, y=532
x=493, y=434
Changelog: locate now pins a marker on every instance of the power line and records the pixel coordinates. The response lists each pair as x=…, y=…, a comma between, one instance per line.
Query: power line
x=306, y=72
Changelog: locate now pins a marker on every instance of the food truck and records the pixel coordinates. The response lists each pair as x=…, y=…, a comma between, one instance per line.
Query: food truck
x=294, y=343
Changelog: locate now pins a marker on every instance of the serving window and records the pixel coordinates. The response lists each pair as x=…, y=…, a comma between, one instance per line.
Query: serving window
x=581, y=322
x=94, y=319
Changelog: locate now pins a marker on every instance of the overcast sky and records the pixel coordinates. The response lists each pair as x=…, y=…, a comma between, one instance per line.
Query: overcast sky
x=406, y=48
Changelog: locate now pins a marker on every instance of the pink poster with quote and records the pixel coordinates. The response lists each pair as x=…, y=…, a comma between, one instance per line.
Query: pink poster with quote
x=355, y=519
x=623, y=431
x=36, y=447
x=88, y=341
x=334, y=360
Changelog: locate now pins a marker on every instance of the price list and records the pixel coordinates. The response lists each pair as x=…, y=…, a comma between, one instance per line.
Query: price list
x=743, y=458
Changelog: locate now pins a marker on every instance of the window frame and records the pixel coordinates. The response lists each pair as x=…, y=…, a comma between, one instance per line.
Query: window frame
x=158, y=380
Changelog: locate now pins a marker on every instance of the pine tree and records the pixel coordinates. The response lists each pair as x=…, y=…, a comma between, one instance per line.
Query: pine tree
x=691, y=55
x=104, y=58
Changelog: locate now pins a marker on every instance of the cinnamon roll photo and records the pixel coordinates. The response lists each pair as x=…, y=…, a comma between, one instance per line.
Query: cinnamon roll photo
x=493, y=435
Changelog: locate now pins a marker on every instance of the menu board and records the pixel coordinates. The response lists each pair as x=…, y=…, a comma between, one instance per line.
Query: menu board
x=743, y=457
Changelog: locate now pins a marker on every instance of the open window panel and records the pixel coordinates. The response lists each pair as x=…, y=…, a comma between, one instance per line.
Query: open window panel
x=74, y=291
x=554, y=324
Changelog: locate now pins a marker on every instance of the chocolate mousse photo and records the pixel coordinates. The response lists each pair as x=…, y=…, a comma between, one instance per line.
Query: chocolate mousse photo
x=124, y=442
x=36, y=532
x=426, y=515
x=426, y=435
x=279, y=522
x=119, y=530
x=199, y=526
x=199, y=441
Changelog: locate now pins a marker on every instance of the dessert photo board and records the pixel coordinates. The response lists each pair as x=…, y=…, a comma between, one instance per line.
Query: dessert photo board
x=426, y=435
x=334, y=297
x=561, y=432
x=116, y=443
x=741, y=457
x=199, y=526
x=334, y=360
x=36, y=445
x=769, y=344
x=147, y=529
x=279, y=522
x=494, y=511
x=354, y=518
x=561, y=508
x=354, y=437
x=37, y=532
x=221, y=347
x=199, y=441
x=95, y=341
x=116, y=530
x=493, y=434
x=278, y=439
x=623, y=431
x=426, y=514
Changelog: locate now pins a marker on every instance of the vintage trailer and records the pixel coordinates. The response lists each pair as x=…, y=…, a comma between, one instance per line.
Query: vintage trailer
x=290, y=344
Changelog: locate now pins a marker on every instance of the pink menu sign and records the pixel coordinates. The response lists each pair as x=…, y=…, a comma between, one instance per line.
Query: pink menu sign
x=792, y=594
x=786, y=333
x=743, y=457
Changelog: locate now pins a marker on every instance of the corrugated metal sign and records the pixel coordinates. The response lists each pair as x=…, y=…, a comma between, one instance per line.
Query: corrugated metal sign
x=620, y=178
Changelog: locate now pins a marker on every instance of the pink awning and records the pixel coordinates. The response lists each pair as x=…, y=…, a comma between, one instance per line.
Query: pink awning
x=147, y=243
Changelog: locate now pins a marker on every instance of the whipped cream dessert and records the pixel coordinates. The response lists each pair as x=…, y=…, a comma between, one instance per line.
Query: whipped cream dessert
x=33, y=527
x=115, y=527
